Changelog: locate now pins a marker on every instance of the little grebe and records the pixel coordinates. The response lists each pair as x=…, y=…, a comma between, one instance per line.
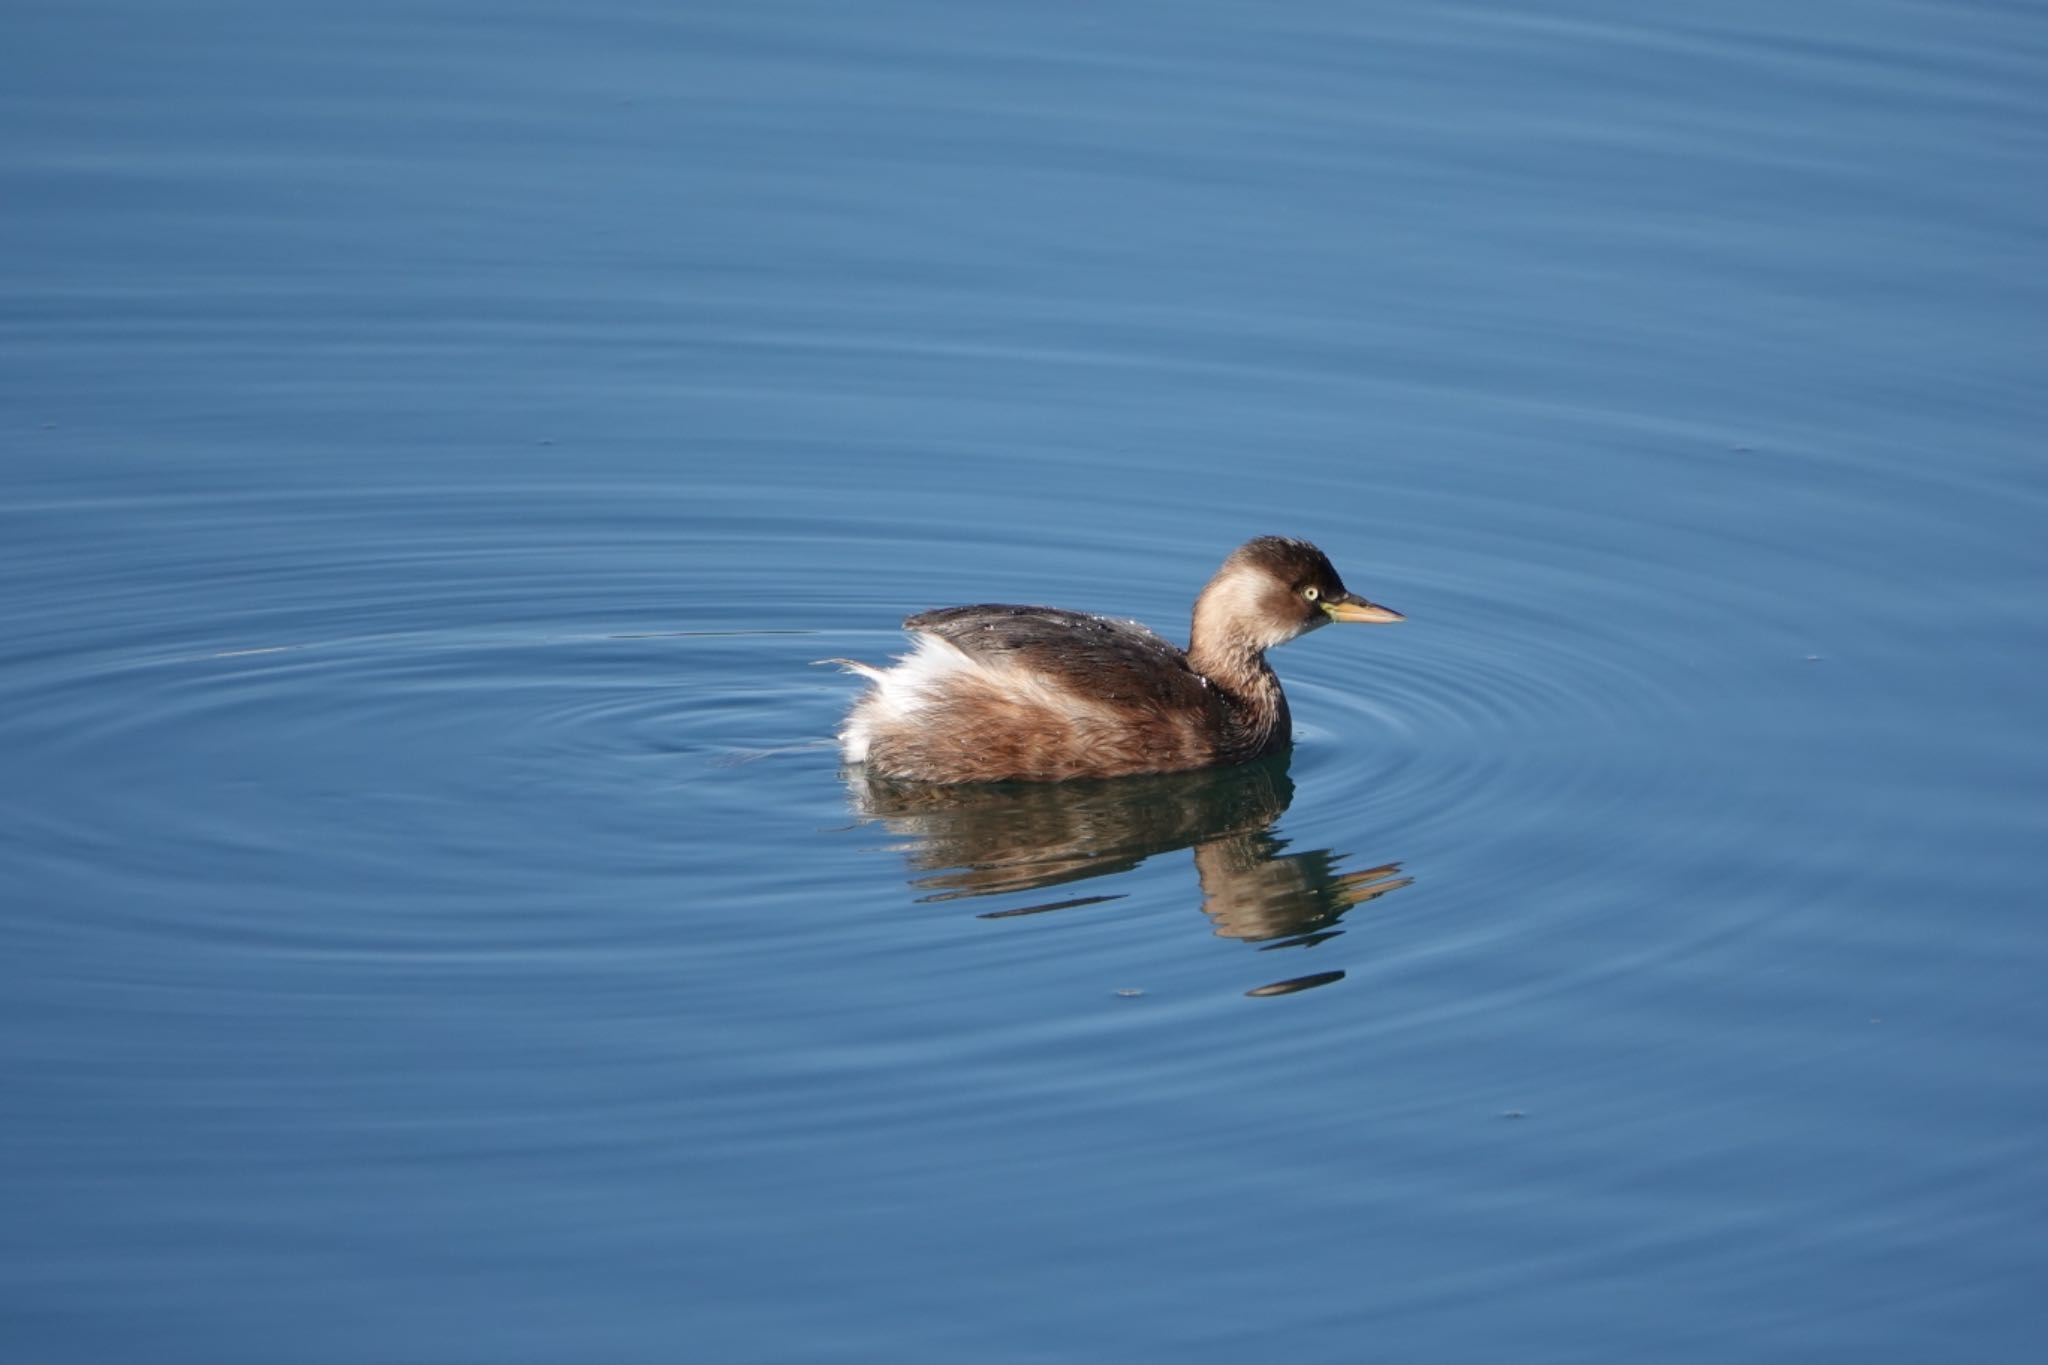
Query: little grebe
x=1001, y=693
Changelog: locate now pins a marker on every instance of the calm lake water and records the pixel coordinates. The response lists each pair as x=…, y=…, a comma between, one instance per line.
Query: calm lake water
x=439, y=438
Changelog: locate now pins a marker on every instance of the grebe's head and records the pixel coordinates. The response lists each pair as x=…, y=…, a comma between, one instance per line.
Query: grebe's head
x=1273, y=589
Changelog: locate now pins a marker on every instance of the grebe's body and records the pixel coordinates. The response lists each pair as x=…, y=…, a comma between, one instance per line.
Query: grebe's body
x=1004, y=693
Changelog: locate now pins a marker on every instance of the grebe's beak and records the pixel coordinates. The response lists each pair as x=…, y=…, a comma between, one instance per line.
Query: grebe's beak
x=1351, y=607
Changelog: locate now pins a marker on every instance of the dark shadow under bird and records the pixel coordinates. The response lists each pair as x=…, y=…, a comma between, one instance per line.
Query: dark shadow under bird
x=966, y=841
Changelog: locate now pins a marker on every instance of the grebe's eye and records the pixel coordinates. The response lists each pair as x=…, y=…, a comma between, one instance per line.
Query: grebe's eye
x=1311, y=593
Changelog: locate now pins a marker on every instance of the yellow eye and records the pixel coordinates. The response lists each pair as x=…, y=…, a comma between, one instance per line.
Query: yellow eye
x=1311, y=593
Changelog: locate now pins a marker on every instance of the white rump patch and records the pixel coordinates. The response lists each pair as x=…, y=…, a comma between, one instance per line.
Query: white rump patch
x=917, y=679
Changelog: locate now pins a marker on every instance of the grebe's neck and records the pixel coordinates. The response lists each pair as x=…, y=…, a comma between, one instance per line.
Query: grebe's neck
x=1258, y=717
x=1235, y=623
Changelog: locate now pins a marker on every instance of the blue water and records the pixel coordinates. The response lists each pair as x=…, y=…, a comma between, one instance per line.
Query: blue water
x=437, y=439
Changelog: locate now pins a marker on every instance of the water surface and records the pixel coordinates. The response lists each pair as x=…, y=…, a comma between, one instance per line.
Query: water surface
x=438, y=441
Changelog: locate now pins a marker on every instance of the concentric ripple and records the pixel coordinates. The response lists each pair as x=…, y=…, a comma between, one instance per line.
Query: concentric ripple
x=468, y=716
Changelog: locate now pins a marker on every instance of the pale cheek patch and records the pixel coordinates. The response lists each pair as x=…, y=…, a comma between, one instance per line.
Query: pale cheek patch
x=1237, y=606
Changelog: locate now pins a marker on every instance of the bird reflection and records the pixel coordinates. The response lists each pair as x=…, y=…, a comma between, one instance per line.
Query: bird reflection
x=985, y=840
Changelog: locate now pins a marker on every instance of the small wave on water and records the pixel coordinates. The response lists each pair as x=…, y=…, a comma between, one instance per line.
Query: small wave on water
x=1515, y=734
x=308, y=706
x=440, y=439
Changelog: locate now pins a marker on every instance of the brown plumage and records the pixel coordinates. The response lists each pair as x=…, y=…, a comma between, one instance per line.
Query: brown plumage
x=1003, y=693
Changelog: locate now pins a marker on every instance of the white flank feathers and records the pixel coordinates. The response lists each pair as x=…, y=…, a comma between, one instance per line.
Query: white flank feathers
x=917, y=677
